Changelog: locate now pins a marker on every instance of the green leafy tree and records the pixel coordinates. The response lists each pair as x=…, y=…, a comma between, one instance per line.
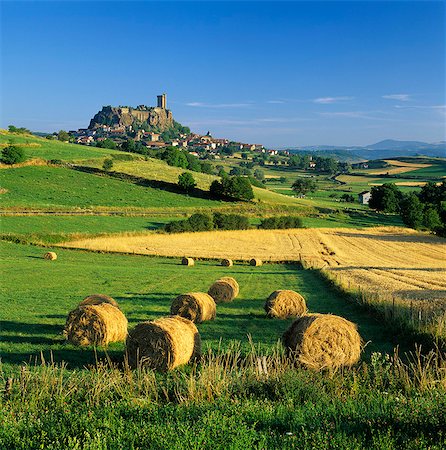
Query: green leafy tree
x=259, y=174
x=303, y=186
x=411, y=211
x=175, y=157
x=107, y=164
x=207, y=168
x=237, y=188
x=106, y=143
x=186, y=182
x=193, y=163
x=63, y=136
x=128, y=146
x=21, y=130
x=13, y=155
x=386, y=198
x=235, y=171
x=431, y=218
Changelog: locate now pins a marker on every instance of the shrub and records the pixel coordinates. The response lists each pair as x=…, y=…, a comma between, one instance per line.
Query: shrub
x=281, y=222
x=106, y=143
x=186, y=182
x=230, y=221
x=107, y=164
x=346, y=198
x=13, y=155
x=196, y=222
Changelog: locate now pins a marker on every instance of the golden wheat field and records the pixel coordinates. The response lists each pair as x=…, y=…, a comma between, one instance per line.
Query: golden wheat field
x=398, y=167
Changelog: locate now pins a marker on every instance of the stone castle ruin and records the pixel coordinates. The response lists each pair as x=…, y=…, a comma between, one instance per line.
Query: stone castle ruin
x=158, y=118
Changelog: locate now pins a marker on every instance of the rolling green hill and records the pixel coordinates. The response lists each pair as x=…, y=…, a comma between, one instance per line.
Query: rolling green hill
x=46, y=186
x=37, y=147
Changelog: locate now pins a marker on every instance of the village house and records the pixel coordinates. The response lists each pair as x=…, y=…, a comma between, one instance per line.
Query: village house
x=364, y=197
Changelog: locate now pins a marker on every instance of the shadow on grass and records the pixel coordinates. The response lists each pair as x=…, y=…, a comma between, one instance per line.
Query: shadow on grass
x=29, y=328
x=145, y=182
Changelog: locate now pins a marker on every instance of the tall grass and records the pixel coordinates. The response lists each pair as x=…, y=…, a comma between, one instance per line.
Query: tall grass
x=228, y=401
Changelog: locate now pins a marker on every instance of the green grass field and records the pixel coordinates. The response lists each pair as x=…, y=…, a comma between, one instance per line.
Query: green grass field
x=40, y=293
x=45, y=186
x=37, y=147
x=224, y=402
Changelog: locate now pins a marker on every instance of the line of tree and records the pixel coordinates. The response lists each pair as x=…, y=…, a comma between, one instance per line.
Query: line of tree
x=322, y=164
x=425, y=209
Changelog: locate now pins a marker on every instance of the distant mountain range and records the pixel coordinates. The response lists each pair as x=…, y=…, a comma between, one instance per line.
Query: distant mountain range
x=384, y=149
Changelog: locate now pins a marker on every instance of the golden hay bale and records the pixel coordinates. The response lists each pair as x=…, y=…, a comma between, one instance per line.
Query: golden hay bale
x=284, y=304
x=163, y=344
x=195, y=306
x=320, y=341
x=188, y=262
x=224, y=290
x=255, y=262
x=50, y=256
x=227, y=262
x=95, y=324
x=97, y=299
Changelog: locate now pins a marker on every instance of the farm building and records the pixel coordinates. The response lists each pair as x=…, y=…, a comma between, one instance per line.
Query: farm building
x=364, y=197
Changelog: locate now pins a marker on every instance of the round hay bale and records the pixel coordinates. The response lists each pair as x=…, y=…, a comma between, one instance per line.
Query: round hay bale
x=51, y=256
x=97, y=299
x=188, y=262
x=284, y=304
x=163, y=344
x=320, y=341
x=95, y=325
x=195, y=306
x=227, y=262
x=255, y=262
x=224, y=290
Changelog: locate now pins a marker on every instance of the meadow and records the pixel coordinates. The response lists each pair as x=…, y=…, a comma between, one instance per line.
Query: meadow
x=60, y=187
x=243, y=394
x=36, y=147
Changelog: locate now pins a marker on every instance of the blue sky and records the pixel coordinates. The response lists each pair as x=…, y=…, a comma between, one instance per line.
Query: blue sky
x=277, y=73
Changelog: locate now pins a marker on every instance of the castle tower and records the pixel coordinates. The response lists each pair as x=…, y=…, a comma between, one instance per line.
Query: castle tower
x=161, y=101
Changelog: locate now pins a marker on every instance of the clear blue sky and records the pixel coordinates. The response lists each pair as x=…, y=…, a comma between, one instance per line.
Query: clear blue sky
x=277, y=73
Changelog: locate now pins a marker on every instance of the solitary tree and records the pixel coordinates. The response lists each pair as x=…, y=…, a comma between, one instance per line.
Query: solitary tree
x=186, y=181
x=63, y=136
x=303, y=186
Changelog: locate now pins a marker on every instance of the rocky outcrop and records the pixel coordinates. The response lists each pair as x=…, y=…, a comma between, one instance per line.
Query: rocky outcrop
x=158, y=119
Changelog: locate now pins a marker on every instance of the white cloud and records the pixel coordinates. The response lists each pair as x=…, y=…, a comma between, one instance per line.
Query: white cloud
x=356, y=115
x=217, y=105
x=399, y=97
x=330, y=100
x=275, y=102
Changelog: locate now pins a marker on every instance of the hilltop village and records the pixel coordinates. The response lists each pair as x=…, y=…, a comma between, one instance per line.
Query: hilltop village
x=154, y=128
